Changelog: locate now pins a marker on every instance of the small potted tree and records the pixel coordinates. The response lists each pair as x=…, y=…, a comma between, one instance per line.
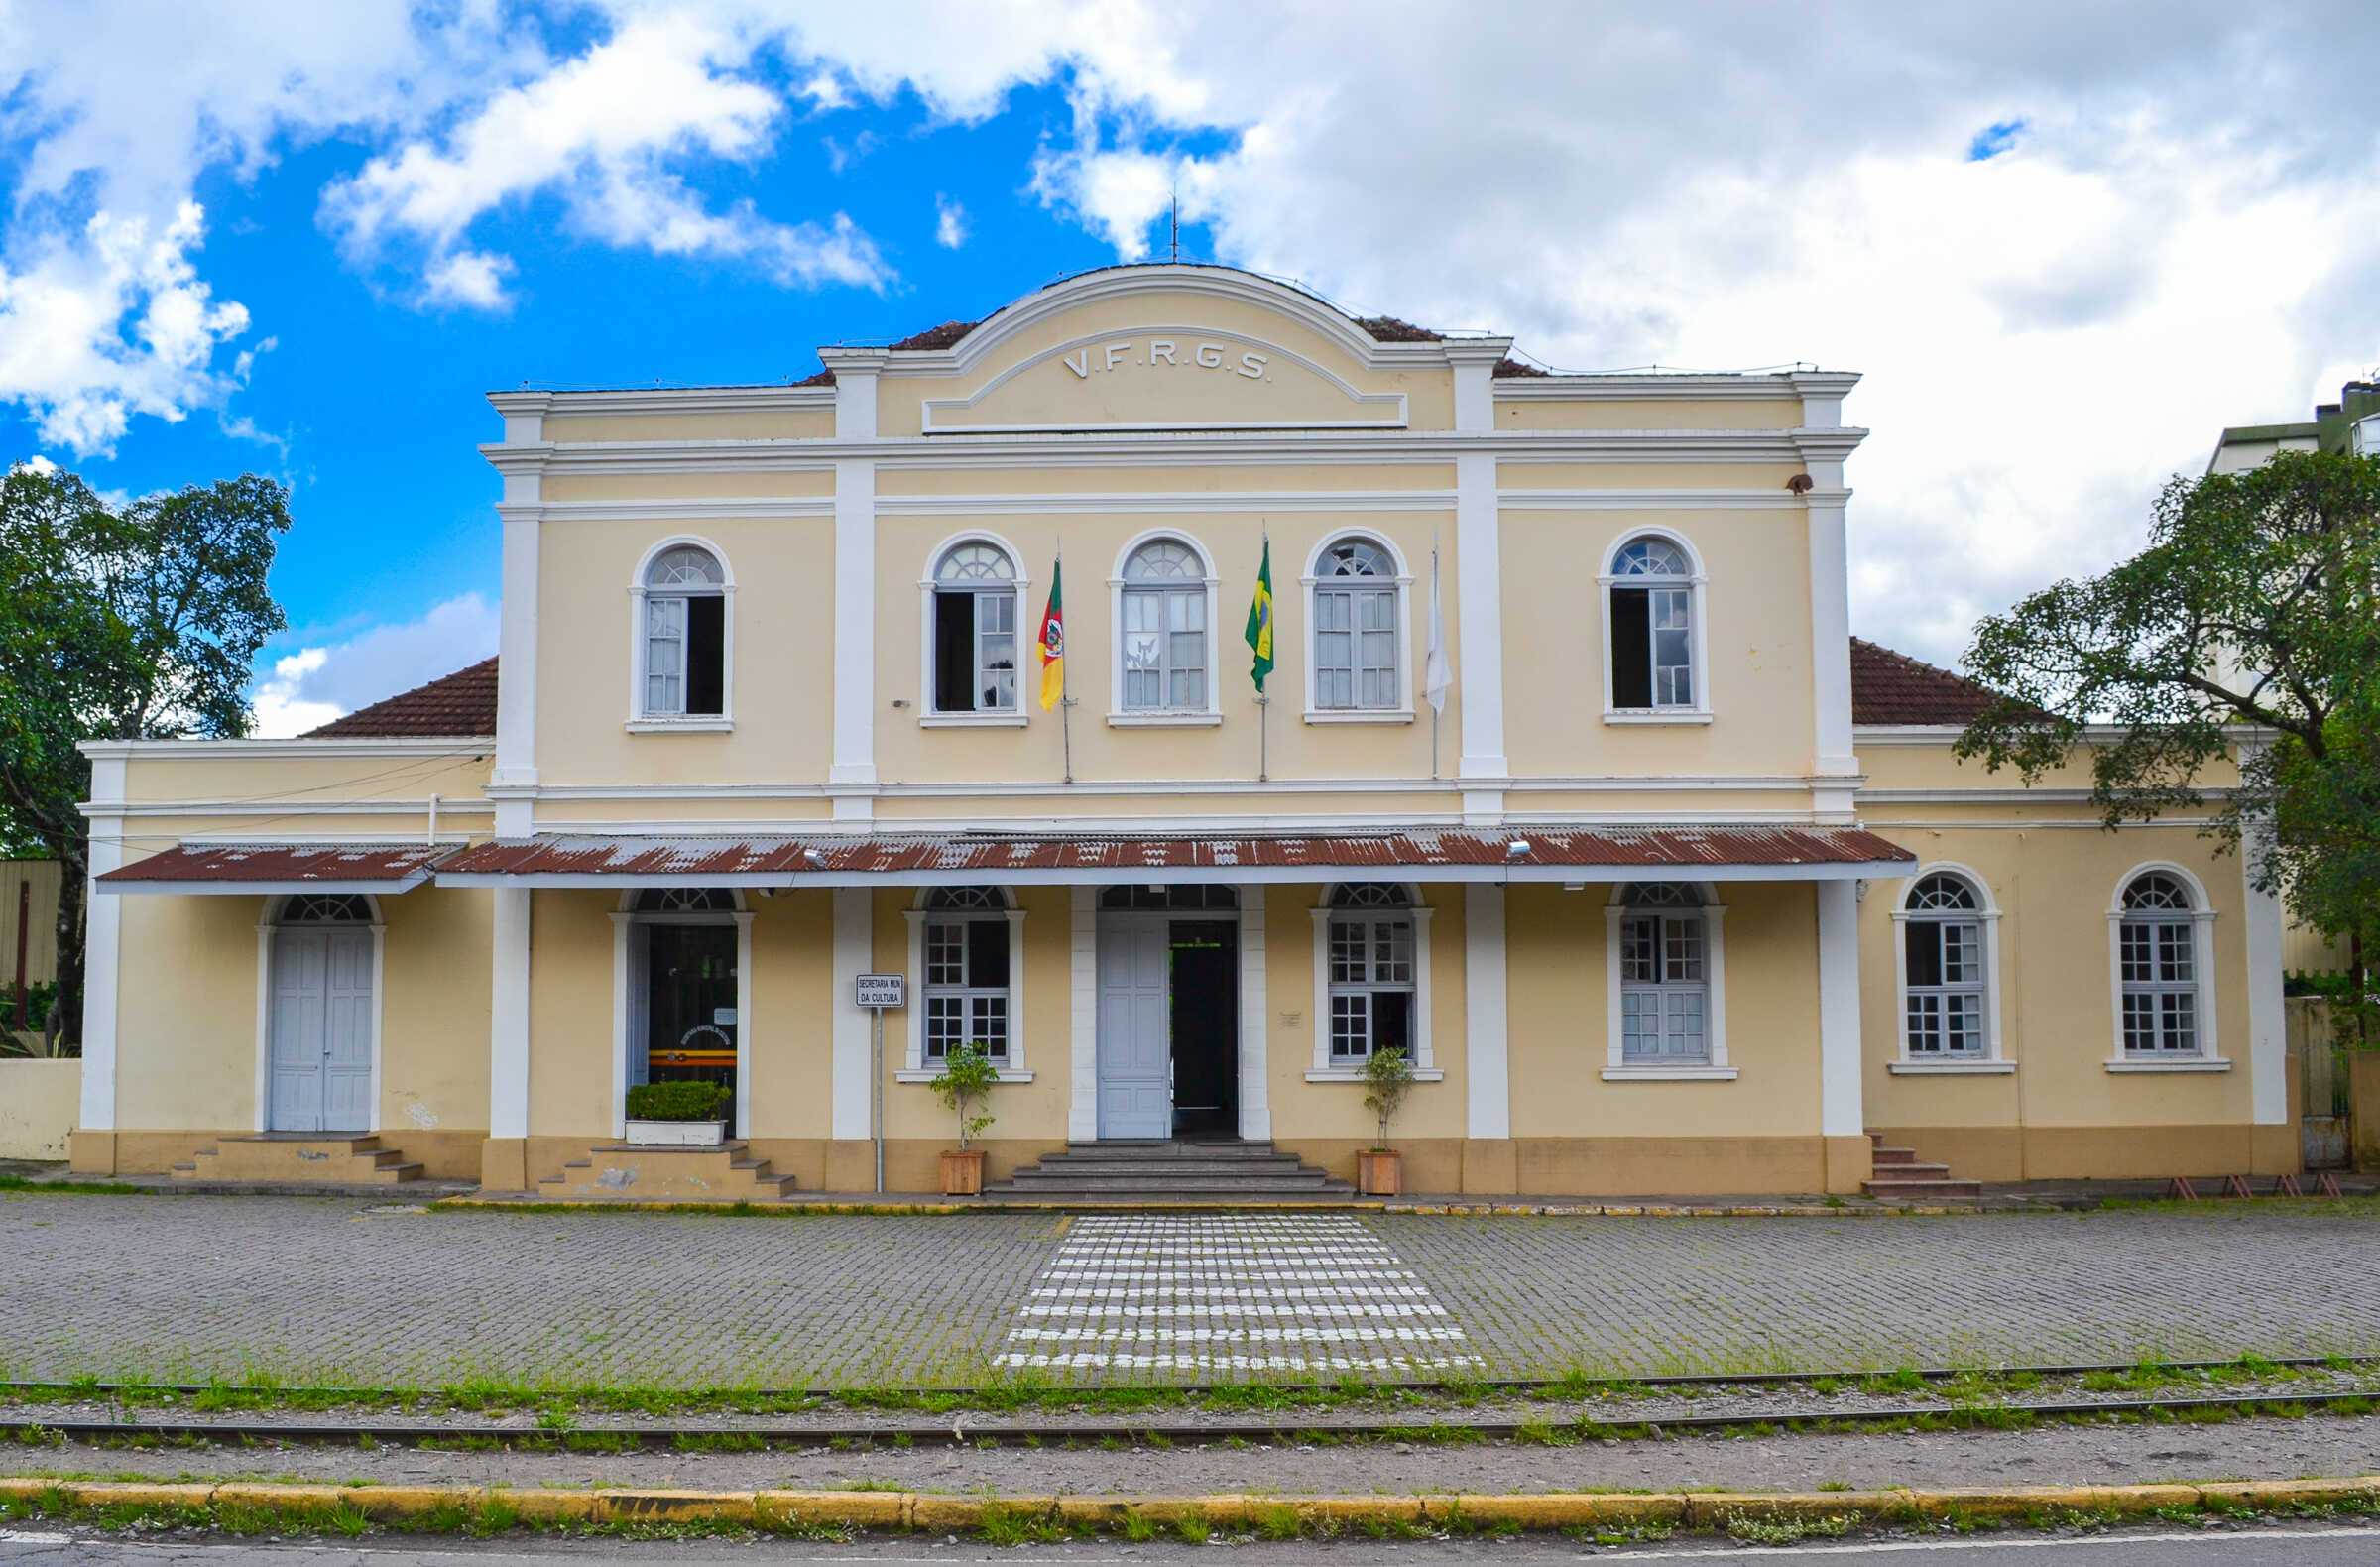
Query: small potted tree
x=1387, y=1078
x=965, y=1085
x=683, y=1115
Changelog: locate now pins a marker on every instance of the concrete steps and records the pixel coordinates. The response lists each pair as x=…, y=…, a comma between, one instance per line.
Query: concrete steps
x=329, y=1159
x=636, y=1174
x=1129, y=1173
x=1899, y=1172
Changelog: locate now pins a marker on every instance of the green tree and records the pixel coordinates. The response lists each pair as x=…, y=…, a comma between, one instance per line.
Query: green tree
x=134, y=622
x=2247, y=630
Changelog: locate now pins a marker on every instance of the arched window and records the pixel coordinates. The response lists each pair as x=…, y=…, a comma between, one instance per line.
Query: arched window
x=1651, y=611
x=976, y=600
x=1175, y=896
x=326, y=909
x=684, y=635
x=1665, y=980
x=1946, y=970
x=1357, y=608
x=968, y=948
x=1163, y=599
x=1374, y=972
x=686, y=900
x=2160, y=970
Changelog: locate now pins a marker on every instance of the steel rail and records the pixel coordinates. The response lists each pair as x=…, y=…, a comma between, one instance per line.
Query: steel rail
x=28, y=1386
x=1152, y=1433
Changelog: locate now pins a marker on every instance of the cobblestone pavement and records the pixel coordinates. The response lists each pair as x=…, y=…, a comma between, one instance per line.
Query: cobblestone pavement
x=327, y=1290
x=1310, y=1295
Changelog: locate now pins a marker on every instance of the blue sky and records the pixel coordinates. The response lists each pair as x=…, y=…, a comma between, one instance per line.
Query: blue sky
x=301, y=240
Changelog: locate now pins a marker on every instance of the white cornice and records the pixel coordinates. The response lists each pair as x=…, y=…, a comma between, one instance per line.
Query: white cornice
x=623, y=401
x=1646, y=388
x=639, y=511
x=1200, y=501
x=1178, y=449
x=1657, y=500
x=360, y=749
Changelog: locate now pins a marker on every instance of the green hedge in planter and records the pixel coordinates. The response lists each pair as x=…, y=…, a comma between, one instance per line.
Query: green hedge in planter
x=676, y=1101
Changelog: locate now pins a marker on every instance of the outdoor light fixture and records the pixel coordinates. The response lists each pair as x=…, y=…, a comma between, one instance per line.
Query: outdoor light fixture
x=818, y=860
x=1573, y=886
x=1516, y=849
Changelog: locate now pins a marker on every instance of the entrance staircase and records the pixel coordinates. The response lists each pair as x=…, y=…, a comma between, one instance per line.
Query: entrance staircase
x=1157, y=1174
x=300, y=1157
x=1899, y=1172
x=726, y=1173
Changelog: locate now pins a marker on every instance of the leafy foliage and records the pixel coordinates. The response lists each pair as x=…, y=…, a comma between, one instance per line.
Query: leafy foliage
x=1388, y=1079
x=965, y=1086
x=2247, y=634
x=687, y=1101
x=139, y=621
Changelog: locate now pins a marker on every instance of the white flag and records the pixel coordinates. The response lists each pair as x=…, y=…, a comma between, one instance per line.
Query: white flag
x=1439, y=676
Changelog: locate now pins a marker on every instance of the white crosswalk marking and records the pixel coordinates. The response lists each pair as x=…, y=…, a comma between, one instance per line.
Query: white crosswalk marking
x=1311, y=1292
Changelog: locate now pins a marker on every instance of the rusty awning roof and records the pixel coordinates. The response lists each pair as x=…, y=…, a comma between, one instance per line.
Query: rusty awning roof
x=281, y=868
x=1434, y=854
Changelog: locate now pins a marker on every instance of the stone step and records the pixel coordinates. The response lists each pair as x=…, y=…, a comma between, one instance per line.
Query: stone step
x=1185, y=1169
x=329, y=1159
x=1923, y=1188
x=1147, y=1187
x=1096, y=1151
x=721, y=1172
x=1882, y=1154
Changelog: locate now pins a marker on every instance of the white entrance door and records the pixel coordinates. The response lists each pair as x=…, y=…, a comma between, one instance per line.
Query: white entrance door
x=1136, y=1037
x=321, y=1031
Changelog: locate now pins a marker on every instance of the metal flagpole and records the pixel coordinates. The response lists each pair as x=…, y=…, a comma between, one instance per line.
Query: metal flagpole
x=1065, y=702
x=1273, y=618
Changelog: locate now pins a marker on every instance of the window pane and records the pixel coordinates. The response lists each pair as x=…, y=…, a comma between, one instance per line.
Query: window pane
x=1639, y=1023
x=1348, y=952
x=1962, y=953
x=1392, y=1020
x=1351, y=1032
x=988, y=1023
x=1963, y=1021
x=2174, y=956
x=1631, y=648
x=1925, y=1025
x=954, y=652
x=986, y=954
x=1923, y=940
x=2133, y=949
x=1682, y=949
x=1638, y=950
x=706, y=655
x=946, y=954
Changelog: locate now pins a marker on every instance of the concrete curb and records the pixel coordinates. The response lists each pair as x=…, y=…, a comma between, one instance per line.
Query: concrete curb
x=901, y=1509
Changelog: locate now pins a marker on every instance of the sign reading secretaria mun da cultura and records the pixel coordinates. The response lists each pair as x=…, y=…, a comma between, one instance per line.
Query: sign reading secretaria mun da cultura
x=880, y=990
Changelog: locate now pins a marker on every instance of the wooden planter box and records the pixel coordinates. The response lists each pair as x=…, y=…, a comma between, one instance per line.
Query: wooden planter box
x=962, y=1174
x=677, y=1134
x=1381, y=1172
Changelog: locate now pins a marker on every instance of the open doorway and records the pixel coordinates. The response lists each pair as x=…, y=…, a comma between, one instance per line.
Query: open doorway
x=687, y=1025
x=1205, y=962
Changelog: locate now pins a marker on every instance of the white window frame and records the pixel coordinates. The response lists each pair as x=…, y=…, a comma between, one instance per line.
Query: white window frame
x=266, y=930
x=1617, y=1068
x=1401, y=584
x=1425, y=1057
x=642, y=722
x=1987, y=915
x=1119, y=716
x=629, y=991
x=916, y=1068
x=931, y=717
x=1698, y=635
x=2209, y=1056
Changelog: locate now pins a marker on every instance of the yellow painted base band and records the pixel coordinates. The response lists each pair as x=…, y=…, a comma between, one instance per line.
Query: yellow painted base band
x=892, y=1510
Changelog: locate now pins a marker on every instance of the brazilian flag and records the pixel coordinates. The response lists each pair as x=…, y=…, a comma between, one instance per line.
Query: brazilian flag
x=1259, y=620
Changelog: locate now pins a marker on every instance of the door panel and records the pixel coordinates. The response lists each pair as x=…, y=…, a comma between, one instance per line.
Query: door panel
x=299, y=961
x=347, y=1029
x=1136, y=1098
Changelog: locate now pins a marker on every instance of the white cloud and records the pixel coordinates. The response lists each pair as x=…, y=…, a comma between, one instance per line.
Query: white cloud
x=605, y=132
x=950, y=223
x=321, y=681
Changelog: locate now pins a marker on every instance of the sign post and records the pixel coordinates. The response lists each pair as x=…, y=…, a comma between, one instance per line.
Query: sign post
x=876, y=992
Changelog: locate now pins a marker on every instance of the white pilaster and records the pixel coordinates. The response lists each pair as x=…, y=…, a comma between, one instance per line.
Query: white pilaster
x=744, y=1043
x=103, y=946
x=2268, y=1015
x=1486, y=1076
x=508, y=1016
x=623, y=930
x=517, y=667
x=1842, y=1113
x=1082, y=1103
x=853, y=952
x=1834, y=766
x=1256, y=1098
x=1479, y=586
x=854, y=762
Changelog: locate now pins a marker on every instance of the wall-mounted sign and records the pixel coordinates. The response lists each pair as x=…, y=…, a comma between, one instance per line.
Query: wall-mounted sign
x=880, y=990
x=1155, y=352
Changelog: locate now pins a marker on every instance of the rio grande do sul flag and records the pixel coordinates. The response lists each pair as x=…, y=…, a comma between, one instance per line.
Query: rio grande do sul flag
x=1259, y=621
x=1053, y=641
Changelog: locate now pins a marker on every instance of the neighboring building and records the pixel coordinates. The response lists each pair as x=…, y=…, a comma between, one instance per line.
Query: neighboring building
x=29, y=891
x=2350, y=424
x=1684, y=893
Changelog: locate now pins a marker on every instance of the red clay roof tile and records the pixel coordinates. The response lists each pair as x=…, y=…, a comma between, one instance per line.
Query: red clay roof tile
x=461, y=705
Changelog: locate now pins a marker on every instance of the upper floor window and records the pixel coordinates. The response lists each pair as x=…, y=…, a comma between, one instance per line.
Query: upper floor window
x=1945, y=973
x=1358, y=613
x=1652, y=606
x=1164, y=629
x=975, y=596
x=2160, y=970
x=683, y=597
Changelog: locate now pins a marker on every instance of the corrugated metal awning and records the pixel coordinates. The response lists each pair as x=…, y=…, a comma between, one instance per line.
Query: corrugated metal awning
x=1427, y=853
x=253, y=868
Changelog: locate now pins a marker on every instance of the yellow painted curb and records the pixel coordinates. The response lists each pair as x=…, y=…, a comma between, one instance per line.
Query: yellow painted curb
x=892, y=1510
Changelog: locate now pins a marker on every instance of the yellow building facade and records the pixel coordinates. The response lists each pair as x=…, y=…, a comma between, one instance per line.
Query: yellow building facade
x=1568, y=780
